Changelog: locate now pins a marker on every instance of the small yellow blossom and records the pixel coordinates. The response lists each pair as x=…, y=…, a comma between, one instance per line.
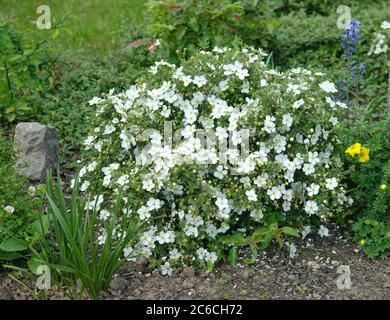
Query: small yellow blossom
x=354, y=149
x=383, y=186
x=362, y=242
x=364, y=155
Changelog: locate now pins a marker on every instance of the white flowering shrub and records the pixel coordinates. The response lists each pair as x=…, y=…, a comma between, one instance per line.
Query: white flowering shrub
x=381, y=41
x=248, y=144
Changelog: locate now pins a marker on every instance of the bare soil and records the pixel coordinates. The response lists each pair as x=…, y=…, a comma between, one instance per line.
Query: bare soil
x=313, y=274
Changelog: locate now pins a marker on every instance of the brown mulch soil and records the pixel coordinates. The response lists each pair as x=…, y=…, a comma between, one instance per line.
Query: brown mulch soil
x=311, y=275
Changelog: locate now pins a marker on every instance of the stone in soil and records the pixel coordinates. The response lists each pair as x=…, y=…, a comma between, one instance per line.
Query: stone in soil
x=37, y=148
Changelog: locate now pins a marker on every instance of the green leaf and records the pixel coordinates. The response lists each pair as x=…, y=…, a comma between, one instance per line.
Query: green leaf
x=8, y=256
x=33, y=265
x=180, y=33
x=236, y=238
x=13, y=245
x=249, y=261
x=14, y=57
x=290, y=231
x=233, y=256
x=55, y=33
x=41, y=225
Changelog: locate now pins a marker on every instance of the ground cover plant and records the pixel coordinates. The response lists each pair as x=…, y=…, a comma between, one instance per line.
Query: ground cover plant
x=20, y=206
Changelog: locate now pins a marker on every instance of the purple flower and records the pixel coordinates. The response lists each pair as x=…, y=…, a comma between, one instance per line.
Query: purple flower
x=350, y=38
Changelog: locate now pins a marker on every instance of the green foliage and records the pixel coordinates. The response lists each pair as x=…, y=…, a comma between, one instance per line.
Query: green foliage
x=182, y=24
x=374, y=237
x=73, y=251
x=93, y=28
x=369, y=182
x=261, y=238
x=313, y=40
x=16, y=227
x=20, y=63
x=372, y=130
x=72, y=83
x=193, y=24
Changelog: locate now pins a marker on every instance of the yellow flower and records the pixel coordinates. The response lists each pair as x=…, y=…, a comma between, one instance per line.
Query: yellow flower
x=354, y=149
x=362, y=242
x=383, y=186
x=364, y=155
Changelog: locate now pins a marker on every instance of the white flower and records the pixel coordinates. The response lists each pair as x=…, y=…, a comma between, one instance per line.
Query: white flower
x=108, y=129
x=328, y=86
x=166, y=237
x=385, y=25
x=323, y=231
x=269, y=124
x=31, y=190
x=331, y=183
x=212, y=230
x=95, y=203
x=154, y=204
x=286, y=206
x=263, y=83
x=222, y=203
x=143, y=213
x=308, y=169
x=292, y=250
x=95, y=100
x=148, y=185
x=305, y=232
x=188, y=131
x=9, y=209
x=104, y=214
x=220, y=173
x=313, y=189
x=187, y=80
x=129, y=254
x=106, y=180
x=251, y=195
x=85, y=186
x=174, y=254
x=191, y=231
x=92, y=166
x=287, y=121
x=311, y=207
x=298, y=103
x=123, y=180
x=333, y=120
x=261, y=181
x=166, y=269
x=242, y=74
x=199, y=81
x=274, y=193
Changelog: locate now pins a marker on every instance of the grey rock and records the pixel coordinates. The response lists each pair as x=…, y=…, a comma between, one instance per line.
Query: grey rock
x=37, y=149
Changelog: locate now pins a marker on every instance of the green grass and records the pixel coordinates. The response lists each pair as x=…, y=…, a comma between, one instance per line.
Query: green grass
x=95, y=26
